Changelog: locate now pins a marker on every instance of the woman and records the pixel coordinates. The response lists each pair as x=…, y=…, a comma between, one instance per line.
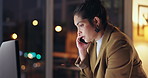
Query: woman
x=104, y=51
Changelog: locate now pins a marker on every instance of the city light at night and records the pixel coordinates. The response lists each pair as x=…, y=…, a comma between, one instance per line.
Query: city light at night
x=35, y=22
x=38, y=56
x=23, y=67
x=14, y=36
x=30, y=56
x=58, y=28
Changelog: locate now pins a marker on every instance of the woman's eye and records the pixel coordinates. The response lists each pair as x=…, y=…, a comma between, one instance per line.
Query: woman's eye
x=81, y=25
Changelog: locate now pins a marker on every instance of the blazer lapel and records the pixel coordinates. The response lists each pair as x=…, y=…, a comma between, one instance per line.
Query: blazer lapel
x=93, y=57
x=106, y=37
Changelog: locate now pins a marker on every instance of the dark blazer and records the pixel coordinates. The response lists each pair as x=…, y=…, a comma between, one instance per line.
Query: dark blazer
x=117, y=58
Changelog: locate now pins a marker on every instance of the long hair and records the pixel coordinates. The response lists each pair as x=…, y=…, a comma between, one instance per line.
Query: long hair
x=91, y=8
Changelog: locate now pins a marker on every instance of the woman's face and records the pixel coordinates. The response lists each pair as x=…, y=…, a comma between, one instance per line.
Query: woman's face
x=84, y=29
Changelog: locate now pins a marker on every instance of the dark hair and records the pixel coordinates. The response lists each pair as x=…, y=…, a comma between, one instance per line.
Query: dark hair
x=91, y=8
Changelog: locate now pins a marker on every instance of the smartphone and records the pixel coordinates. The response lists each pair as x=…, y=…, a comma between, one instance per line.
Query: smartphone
x=83, y=41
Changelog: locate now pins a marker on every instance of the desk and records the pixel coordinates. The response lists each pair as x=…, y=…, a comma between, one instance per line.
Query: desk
x=66, y=71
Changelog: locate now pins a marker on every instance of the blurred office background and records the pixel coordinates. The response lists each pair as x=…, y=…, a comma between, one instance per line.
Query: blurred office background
x=46, y=33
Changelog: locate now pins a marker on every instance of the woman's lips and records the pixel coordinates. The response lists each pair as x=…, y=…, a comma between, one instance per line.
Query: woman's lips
x=83, y=37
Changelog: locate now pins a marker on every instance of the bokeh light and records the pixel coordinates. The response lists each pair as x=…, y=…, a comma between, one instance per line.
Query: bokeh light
x=14, y=36
x=35, y=22
x=23, y=67
x=38, y=56
x=58, y=28
x=30, y=56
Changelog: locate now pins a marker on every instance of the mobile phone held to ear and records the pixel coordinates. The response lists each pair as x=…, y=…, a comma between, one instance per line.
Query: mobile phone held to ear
x=82, y=40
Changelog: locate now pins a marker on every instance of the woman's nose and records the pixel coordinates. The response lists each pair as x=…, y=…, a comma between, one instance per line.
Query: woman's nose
x=79, y=32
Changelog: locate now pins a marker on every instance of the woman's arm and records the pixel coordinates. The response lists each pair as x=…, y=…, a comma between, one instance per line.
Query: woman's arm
x=83, y=60
x=84, y=67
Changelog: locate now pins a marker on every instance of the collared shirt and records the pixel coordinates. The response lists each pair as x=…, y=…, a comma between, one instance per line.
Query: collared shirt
x=99, y=42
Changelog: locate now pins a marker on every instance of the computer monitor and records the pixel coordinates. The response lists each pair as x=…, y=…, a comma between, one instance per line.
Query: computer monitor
x=9, y=60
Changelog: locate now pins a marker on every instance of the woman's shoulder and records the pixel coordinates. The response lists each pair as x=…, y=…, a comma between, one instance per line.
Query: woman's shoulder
x=116, y=41
x=117, y=34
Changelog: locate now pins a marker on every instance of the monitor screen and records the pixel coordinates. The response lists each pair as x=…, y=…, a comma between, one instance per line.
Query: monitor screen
x=9, y=60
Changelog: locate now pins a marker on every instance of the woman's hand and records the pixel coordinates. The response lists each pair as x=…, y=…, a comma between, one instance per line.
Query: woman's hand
x=82, y=48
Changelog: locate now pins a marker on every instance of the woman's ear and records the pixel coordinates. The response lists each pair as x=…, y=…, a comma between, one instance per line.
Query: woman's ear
x=97, y=24
x=96, y=21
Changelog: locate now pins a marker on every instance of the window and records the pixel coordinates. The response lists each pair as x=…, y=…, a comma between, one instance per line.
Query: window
x=26, y=21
